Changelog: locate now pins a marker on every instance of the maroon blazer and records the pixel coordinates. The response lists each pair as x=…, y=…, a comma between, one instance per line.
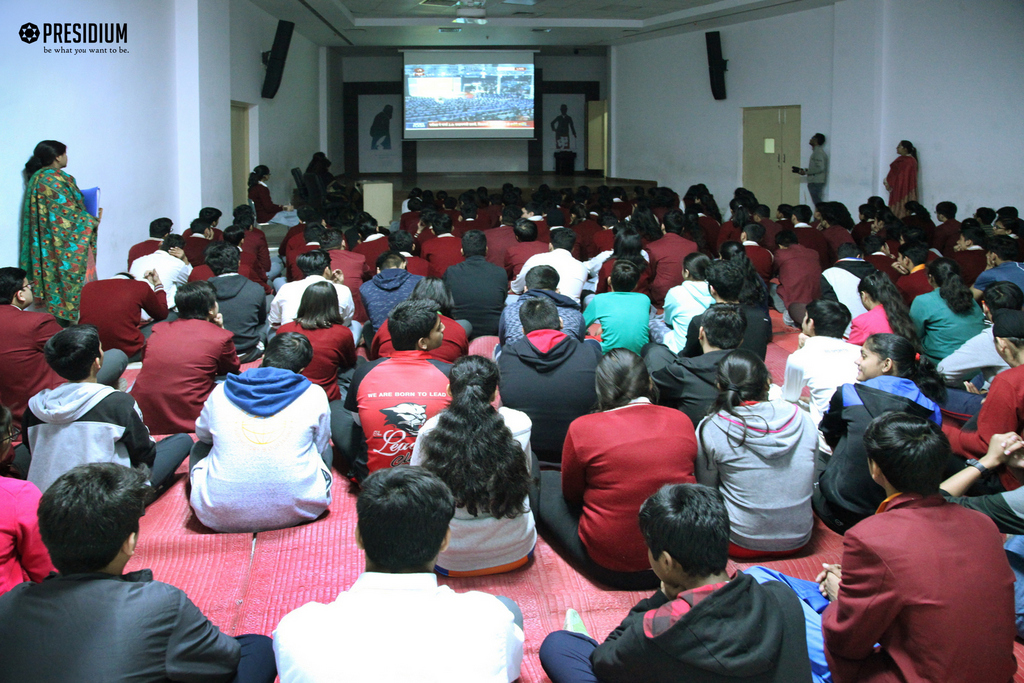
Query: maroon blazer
x=371, y=251
x=667, y=256
x=461, y=227
x=972, y=264
x=762, y=259
x=179, y=365
x=928, y=581
x=945, y=237
x=861, y=230
x=835, y=236
x=143, y=249
x=356, y=271
x=195, y=246
x=727, y=233
x=884, y=264
x=23, y=369
x=409, y=221
x=498, y=242
x=603, y=240
x=812, y=239
x=517, y=255
x=585, y=231
x=255, y=243
x=294, y=252
x=643, y=285
x=799, y=274
x=115, y=307
x=913, y=285
x=295, y=232
x=771, y=229
x=454, y=346
x=265, y=207
x=711, y=228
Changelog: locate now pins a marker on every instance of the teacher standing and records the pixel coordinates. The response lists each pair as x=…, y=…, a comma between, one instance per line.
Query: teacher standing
x=58, y=235
x=902, y=179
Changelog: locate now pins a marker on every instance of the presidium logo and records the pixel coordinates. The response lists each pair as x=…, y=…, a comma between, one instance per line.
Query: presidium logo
x=60, y=34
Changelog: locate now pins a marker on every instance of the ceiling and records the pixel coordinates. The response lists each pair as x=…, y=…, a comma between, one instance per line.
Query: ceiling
x=537, y=23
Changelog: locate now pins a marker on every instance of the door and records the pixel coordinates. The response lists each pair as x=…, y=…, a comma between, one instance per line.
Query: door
x=597, y=135
x=240, y=152
x=771, y=146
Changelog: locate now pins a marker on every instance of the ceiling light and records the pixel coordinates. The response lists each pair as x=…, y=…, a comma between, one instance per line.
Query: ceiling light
x=541, y=30
x=463, y=20
x=520, y=2
x=449, y=30
x=439, y=3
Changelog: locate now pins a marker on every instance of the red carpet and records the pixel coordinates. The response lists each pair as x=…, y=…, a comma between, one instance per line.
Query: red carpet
x=245, y=583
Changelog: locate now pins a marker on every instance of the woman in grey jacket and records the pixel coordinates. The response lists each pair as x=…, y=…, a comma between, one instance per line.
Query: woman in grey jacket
x=760, y=455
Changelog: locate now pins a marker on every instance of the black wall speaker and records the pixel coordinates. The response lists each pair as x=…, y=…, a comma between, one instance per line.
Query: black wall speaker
x=716, y=65
x=274, y=59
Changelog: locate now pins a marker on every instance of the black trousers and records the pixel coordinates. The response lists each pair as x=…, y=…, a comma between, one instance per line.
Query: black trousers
x=560, y=524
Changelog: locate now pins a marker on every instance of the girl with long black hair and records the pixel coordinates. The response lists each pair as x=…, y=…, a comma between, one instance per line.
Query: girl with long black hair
x=947, y=316
x=886, y=311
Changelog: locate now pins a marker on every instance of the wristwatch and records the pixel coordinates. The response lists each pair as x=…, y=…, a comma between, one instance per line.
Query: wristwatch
x=971, y=462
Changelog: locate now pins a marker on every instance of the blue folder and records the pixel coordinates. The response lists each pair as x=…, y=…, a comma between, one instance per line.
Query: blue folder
x=91, y=197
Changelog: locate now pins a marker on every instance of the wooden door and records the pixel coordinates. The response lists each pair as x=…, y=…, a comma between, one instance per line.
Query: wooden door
x=771, y=146
x=597, y=135
x=240, y=152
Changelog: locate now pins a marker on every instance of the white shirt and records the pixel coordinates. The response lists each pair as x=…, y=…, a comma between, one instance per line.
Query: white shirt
x=823, y=364
x=285, y=306
x=173, y=272
x=572, y=274
x=844, y=284
x=397, y=628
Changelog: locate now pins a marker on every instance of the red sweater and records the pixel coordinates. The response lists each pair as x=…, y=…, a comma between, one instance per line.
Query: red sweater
x=604, y=240
x=255, y=243
x=442, y=253
x=333, y=350
x=913, y=285
x=115, y=307
x=195, y=248
x=667, y=256
x=799, y=275
x=762, y=259
x=371, y=251
x=585, y=231
x=643, y=285
x=455, y=344
x=265, y=207
x=727, y=233
x=946, y=236
x=812, y=239
x=518, y=254
x=611, y=462
x=1002, y=411
x=498, y=242
x=179, y=365
x=24, y=371
x=23, y=557
x=972, y=263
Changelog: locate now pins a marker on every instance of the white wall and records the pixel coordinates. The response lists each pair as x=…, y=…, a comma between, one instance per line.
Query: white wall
x=289, y=125
x=115, y=112
x=942, y=73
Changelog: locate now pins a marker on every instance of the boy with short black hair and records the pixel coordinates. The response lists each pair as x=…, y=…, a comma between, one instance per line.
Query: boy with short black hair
x=911, y=262
x=701, y=625
x=725, y=282
x=621, y=317
x=93, y=622
x=83, y=421
x=403, y=518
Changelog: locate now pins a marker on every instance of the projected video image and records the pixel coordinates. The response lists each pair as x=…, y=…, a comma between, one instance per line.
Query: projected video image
x=468, y=96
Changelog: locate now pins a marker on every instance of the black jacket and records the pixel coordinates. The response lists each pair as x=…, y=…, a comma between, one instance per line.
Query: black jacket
x=243, y=303
x=553, y=388
x=479, y=289
x=100, y=627
x=744, y=631
x=686, y=384
x=755, y=339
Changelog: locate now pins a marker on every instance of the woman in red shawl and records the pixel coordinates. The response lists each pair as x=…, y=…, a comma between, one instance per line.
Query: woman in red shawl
x=902, y=179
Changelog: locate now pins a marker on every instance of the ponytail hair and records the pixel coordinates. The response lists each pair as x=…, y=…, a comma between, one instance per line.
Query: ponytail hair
x=258, y=174
x=909, y=146
x=45, y=153
x=742, y=376
x=880, y=288
x=909, y=364
x=472, y=450
x=946, y=273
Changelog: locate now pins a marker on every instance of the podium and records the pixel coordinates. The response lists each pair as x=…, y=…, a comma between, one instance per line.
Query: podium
x=378, y=199
x=565, y=163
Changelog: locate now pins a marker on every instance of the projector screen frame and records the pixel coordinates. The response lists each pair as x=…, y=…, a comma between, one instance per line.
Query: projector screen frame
x=451, y=135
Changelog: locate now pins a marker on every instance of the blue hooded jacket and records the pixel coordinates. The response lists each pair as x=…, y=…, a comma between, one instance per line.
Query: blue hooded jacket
x=265, y=391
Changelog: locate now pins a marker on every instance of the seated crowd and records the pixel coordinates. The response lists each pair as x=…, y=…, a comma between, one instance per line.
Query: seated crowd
x=619, y=405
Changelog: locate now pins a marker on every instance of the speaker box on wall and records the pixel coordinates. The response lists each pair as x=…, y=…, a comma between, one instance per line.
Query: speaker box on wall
x=274, y=59
x=716, y=65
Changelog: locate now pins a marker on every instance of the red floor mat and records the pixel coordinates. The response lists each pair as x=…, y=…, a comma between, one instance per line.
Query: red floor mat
x=213, y=569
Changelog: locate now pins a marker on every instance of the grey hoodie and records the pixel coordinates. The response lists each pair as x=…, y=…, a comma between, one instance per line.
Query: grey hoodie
x=81, y=423
x=767, y=479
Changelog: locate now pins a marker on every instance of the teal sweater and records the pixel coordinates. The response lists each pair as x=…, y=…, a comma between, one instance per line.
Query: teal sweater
x=940, y=330
x=624, y=317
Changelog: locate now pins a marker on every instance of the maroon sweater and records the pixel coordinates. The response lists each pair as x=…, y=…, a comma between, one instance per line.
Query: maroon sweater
x=333, y=350
x=115, y=307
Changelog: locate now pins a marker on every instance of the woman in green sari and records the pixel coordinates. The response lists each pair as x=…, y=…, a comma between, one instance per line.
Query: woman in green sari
x=58, y=235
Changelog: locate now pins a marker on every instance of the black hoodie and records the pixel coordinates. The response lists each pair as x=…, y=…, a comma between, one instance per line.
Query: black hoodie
x=553, y=384
x=243, y=304
x=743, y=631
x=686, y=384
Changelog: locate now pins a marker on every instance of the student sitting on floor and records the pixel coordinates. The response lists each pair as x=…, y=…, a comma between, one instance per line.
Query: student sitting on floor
x=689, y=384
x=182, y=360
x=484, y=457
x=887, y=313
x=760, y=455
x=263, y=459
x=115, y=307
x=947, y=316
x=113, y=626
x=701, y=625
x=456, y=340
x=23, y=557
x=1003, y=266
x=241, y=302
x=390, y=286
x=612, y=460
x=894, y=614
x=799, y=273
x=391, y=398
x=978, y=354
x=316, y=265
x=82, y=421
x=912, y=262
x=823, y=362
x=620, y=317
x=170, y=263
x=541, y=282
x=728, y=280
x=403, y=524
x=686, y=301
x=478, y=288
x=549, y=375
x=158, y=230
x=891, y=376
